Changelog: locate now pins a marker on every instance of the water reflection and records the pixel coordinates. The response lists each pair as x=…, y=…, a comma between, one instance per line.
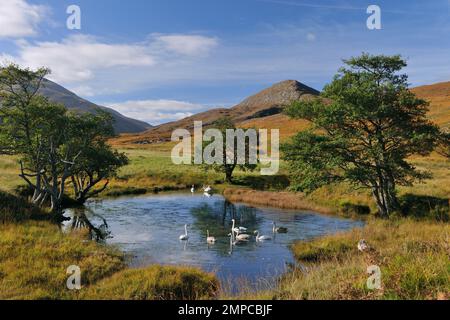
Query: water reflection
x=79, y=220
x=148, y=228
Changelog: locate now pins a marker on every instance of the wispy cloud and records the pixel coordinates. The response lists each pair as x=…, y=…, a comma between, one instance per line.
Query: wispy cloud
x=157, y=111
x=332, y=7
x=79, y=58
x=192, y=45
x=18, y=18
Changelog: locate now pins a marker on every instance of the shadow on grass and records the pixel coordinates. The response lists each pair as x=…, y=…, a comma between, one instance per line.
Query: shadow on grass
x=419, y=206
x=15, y=208
x=278, y=182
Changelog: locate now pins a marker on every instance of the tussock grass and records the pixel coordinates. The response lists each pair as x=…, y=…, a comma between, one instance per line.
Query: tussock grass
x=414, y=257
x=284, y=200
x=157, y=283
x=34, y=257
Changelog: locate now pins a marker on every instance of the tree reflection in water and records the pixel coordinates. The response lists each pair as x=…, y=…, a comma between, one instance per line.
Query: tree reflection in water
x=79, y=220
x=217, y=219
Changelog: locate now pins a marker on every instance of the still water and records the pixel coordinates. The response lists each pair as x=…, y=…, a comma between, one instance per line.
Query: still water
x=148, y=228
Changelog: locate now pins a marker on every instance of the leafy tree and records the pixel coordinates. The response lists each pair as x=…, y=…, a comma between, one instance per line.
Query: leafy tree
x=98, y=161
x=230, y=158
x=364, y=127
x=54, y=145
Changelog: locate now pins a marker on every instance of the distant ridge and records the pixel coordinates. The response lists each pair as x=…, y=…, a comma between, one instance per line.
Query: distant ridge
x=267, y=102
x=56, y=93
x=262, y=110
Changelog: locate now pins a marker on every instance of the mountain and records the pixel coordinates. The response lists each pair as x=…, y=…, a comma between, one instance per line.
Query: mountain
x=266, y=103
x=438, y=95
x=56, y=93
x=262, y=110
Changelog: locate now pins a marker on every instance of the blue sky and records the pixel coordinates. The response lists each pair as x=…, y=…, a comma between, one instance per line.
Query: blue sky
x=162, y=60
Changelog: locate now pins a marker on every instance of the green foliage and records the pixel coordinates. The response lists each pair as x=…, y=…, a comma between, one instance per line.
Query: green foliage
x=97, y=161
x=52, y=143
x=229, y=164
x=365, y=125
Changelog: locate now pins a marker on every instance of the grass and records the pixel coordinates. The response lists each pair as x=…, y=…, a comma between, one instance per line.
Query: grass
x=15, y=209
x=34, y=257
x=413, y=254
x=414, y=258
x=157, y=283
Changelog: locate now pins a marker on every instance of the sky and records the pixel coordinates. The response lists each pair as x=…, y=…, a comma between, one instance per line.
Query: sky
x=163, y=60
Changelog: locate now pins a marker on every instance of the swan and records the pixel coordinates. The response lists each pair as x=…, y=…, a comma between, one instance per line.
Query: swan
x=209, y=239
x=243, y=237
x=239, y=237
x=362, y=245
x=193, y=189
x=239, y=230
x=184, y=236
x=279, y=229
x=207, y=189
x=261, y=238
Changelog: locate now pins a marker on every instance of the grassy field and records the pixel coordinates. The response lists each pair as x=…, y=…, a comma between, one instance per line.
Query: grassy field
x=151, y=169
x=34, y=257
x=413, y=254
x=413, y=257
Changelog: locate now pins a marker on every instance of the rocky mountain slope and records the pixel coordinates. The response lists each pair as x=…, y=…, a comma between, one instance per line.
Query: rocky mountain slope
x=59, y=94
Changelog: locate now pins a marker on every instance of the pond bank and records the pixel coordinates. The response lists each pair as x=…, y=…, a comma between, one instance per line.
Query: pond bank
x=279, y=199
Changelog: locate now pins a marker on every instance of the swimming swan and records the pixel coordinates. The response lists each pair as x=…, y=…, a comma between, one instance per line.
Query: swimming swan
x=239, y=237
x=279, y=229
x=261, y=238
x=193, y=189
x=209, y=239
x=184, y=236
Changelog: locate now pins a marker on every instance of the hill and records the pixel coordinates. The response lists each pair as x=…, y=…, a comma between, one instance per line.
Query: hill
x=263, y=110
x=269, y=102
x=59, y=94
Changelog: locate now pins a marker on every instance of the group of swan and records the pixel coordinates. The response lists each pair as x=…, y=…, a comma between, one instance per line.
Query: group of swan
x=185, y=236
x=238, y=234
x=206, y=190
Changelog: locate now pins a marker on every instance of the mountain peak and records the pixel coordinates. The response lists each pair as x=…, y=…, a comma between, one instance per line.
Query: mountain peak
x=273, y=99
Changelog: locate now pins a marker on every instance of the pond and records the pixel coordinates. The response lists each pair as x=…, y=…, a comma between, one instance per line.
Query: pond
x=148, y=228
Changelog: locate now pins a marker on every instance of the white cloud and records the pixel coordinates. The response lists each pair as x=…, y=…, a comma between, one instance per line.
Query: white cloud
x=77, y=58
x=192, y=45
x=157, y=111
x=19, y=18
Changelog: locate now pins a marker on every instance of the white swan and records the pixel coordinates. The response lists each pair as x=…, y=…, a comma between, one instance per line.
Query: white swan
x=239, y=230
x=362, y=245
x=243, y=237
x=209, y=239
x=193, y=189
x=239, y=237
x=279, y=229
x=184, y=236
x=261, y=238
x=207, y=189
